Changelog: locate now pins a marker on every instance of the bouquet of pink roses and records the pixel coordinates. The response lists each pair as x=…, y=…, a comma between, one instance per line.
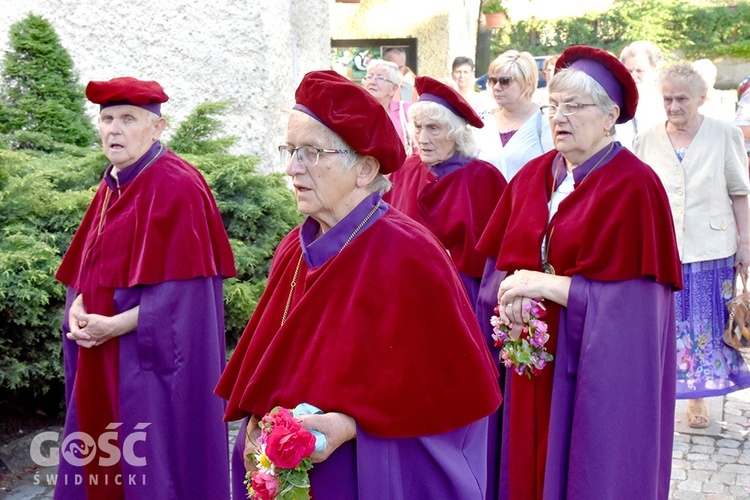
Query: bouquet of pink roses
x=282, y=460
x=526, y=354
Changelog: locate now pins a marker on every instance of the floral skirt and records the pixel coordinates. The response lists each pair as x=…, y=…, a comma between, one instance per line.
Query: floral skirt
x=705, y=365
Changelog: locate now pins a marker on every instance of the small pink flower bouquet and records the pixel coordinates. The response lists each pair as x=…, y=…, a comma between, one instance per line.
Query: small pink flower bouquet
x=526, y=354
x=282, y=462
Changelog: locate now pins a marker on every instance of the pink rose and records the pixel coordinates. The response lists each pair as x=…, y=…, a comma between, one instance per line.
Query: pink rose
x=286, y=448
x=265, y=485
x=281, y=417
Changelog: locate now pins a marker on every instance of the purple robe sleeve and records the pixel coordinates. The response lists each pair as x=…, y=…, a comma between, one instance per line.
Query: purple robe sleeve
x=613, y=398
x=168, y=371
x=168, y=367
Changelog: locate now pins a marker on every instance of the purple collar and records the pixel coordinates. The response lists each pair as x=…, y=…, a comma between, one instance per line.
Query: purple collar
x=318, y=251
x=598, y=159
x=450, y=165
x=444, y=102
x=129, y=173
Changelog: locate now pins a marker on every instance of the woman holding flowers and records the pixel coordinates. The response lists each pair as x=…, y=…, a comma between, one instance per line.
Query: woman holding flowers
x=585, y=244
x=364, y=318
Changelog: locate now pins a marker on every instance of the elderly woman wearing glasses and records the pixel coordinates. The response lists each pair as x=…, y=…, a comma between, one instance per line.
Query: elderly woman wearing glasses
x=365, y=318
x=586, y=231
x=516, y=132
x=446, y=188
x=382, y=82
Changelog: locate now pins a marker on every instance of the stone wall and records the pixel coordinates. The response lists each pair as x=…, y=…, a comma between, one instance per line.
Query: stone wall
x=253, y=52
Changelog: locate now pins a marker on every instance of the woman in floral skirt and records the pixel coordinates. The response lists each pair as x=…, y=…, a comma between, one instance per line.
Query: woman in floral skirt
x=702, y=164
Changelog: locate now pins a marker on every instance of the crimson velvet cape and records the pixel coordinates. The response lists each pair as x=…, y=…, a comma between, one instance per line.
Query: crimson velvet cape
x=381, y=331
x=598, y=422
x=454, y=200
x=156, y=241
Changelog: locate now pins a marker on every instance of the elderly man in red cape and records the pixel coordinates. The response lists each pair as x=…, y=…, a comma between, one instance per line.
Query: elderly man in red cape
x=587, y=228
x=365, y=318
x=144, y=319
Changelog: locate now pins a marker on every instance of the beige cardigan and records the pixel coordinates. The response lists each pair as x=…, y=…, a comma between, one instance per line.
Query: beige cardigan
x=714, y=168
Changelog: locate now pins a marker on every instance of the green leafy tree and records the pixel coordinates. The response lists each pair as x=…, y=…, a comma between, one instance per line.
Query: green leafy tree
x=199, y=132
x=695, y=30
x=42, y=104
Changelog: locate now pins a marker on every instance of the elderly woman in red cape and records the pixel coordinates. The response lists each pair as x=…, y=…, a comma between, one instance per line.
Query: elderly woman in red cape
x=144, y=319
x=365, y=318
x=452, y=193
x=587, y=230
x=446, y=188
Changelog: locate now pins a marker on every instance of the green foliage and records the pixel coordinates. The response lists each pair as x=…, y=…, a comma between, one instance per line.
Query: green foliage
x=41, y=103
x=198, y=133
x=674, y=25
x=494, y=7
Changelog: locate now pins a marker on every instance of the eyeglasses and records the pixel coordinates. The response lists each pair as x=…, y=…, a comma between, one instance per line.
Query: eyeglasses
x=504, y=81
x=377, y=78
x=307, y=156
x=567, y=109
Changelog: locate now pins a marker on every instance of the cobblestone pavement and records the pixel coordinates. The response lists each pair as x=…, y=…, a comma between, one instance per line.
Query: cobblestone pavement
x=707, y=464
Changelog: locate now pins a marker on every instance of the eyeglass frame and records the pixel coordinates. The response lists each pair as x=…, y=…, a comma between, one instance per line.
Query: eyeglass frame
x=284, y=149
x=551, y=109
x=377, y=78
x=504, y=81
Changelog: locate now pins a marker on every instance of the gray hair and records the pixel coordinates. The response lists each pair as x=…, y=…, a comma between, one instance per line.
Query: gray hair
x=458, y=130
x=576, y=82
x=686, y=74
x=394, y=75
x=379, y=183
x=653, y=53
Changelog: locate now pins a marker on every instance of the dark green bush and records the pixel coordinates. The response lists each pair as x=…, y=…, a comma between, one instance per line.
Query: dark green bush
x=200, y=133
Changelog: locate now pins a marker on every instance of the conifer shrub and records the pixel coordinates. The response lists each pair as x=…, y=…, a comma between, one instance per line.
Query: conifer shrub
x=42, y=105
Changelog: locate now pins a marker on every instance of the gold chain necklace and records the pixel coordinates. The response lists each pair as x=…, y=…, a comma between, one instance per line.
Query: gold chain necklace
x=299, y=261
x=546, y=266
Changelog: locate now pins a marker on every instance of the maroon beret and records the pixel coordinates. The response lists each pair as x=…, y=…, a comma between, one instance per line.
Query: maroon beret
x=432, y=90
x=127, y=90
x=354, y=114
x=608, y=71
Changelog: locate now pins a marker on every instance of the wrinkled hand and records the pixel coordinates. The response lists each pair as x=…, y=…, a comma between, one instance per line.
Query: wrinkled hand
x=742, y=258
x=89, y=330
x=77, y=322
x=251, y=442
x=518, y=288
x=515, y=314
x=337, y=428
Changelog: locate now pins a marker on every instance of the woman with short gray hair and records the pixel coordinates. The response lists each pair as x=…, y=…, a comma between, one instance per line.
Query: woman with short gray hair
x=702, y=164
x=382, y=82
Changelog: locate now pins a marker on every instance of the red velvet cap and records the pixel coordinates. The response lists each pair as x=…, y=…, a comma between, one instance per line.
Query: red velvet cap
x=608, y=71
x=354, y=114
x=127, y=90
x=432, y=90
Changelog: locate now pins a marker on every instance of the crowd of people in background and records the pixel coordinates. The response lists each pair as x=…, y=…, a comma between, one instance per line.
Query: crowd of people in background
x=495, y=293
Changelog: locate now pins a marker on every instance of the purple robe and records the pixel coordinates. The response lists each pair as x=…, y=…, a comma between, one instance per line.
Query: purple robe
x=448, y=465
x=614, y=338
x=168, y=368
